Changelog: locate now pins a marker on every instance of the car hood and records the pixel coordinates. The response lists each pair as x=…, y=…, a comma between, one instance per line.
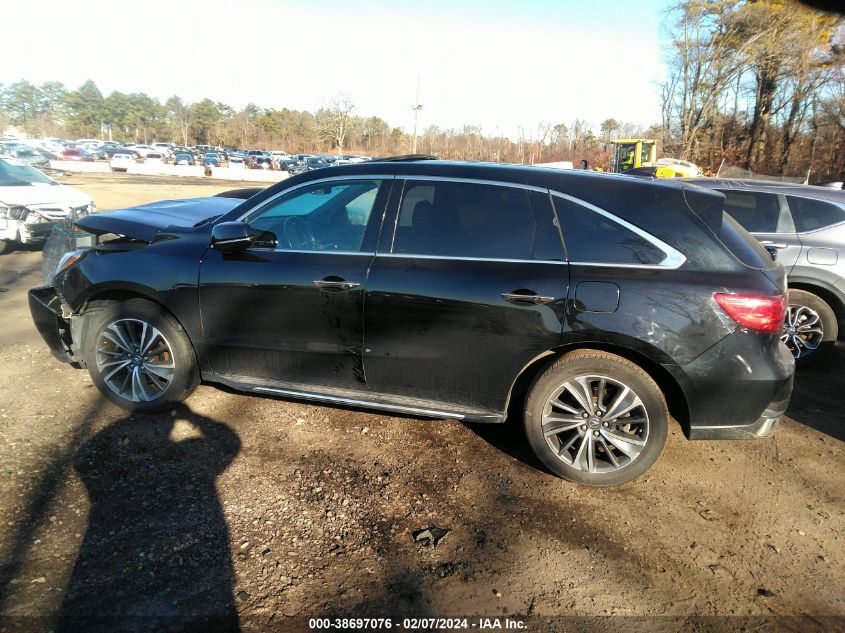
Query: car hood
x=146, y=221
x=43, y=194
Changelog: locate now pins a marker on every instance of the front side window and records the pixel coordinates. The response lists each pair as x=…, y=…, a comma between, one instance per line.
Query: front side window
x=459, y=219
x=755, y=212
x=326, y=216
x=810, y=214
x=593, y=238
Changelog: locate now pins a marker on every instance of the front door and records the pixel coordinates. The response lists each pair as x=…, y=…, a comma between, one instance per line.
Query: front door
x=465, y=291
x=289, y=310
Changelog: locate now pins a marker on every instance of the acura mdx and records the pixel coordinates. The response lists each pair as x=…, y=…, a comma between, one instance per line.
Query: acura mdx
x=590, y=306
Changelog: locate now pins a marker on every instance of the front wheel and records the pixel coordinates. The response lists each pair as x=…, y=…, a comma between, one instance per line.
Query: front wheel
x=138, y=356
x=810, y=328
x=596, y=418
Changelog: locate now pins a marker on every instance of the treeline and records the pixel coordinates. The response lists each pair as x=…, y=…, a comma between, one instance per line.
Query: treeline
x=758, y=84
x=53, y=110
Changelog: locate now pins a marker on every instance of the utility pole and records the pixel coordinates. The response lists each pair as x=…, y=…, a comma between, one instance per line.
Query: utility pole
x=416, y=108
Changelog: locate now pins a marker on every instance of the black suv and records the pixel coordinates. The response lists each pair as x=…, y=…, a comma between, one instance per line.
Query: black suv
x=590, y=305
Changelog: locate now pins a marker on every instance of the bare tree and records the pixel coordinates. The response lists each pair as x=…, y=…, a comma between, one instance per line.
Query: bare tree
x=335, y=123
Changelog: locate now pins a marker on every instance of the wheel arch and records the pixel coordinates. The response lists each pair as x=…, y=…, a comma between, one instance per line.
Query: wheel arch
x=831, y=298
x=104, y=295
x=672, y=390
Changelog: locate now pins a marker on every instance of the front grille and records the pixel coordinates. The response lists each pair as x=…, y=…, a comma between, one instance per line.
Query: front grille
x=51, y=213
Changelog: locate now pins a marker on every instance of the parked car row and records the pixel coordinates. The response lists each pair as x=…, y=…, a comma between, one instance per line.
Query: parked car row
x=40, y=151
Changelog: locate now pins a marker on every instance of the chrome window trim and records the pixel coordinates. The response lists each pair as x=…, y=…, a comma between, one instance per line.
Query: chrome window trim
x=473, y=181
x=284, y=192
x=472, y=259
x=674, y=258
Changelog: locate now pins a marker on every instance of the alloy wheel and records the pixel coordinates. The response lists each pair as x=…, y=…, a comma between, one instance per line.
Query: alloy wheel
x=803, y=330
x=135, y=360
x=595, y=424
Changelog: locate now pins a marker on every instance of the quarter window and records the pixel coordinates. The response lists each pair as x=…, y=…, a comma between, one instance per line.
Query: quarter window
x=458, y=219
x=591, y=237
x=810, y=214
x=755, y=212
x=326, y=216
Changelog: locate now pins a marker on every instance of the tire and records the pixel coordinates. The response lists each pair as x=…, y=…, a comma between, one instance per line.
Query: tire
x=6, y=246
x=162, y=381
x=601, y=450
x=807, y=314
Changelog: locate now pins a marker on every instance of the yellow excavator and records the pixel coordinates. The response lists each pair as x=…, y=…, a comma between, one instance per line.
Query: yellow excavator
x=638, y=156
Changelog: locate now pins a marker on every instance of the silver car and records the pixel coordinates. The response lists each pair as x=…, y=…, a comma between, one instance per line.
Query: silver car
x=804, y=228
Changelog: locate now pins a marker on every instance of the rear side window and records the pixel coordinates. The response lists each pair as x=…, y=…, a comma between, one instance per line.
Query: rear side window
x=810, y=214
x=756, y=212
x=592, y=238
x=456, y=219
x=742, y=245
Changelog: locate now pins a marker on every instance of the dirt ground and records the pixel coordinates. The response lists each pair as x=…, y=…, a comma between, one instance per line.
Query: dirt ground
x=248, y=513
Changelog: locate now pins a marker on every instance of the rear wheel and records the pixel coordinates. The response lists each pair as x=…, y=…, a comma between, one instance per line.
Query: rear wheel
x=810, y=328
x=596, y=418
x=6, y=246
x=138, y=356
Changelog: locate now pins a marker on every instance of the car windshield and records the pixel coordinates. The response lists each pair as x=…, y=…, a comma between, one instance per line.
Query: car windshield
x=17, y=174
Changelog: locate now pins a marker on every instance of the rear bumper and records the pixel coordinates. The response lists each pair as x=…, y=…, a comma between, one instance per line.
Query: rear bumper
x=739, y=389
x=45, y=307
x=764, y=426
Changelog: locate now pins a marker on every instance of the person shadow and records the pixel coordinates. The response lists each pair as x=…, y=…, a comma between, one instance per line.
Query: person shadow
x=156, y=555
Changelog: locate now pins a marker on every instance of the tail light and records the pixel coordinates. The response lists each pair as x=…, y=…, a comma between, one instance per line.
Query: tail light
x=756, y=312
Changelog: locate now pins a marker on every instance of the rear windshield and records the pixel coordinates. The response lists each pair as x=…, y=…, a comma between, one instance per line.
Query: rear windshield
x=744, y=247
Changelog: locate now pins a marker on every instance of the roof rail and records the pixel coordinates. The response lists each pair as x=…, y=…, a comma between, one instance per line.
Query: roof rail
x=405, y=158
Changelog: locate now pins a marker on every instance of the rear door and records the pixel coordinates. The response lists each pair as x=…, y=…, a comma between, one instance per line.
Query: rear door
x=766, y=216
x=467, y=287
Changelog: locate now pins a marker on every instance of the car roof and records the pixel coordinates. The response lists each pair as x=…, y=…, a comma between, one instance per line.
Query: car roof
x=543, y=177
x=631, y=198
x=769, y=186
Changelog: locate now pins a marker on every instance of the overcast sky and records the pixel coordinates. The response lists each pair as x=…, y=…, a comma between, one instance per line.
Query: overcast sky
x=493, y=63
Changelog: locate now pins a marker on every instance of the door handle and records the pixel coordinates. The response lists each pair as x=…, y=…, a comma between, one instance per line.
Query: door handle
x=771, y=244
x=526, y=296
x=335, y=284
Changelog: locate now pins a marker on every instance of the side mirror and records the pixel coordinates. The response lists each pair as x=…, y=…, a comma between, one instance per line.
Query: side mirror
x=230, y=237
